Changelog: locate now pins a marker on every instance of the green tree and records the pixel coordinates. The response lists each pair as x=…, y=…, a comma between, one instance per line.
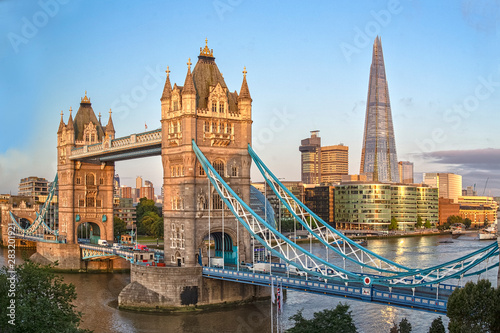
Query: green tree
x=419, y=223
x=437, y=326
x=338, y=320
x=467, y=223
x=143, y=207
x=394, y=224
x=474, y=308
x=404, y=326
x=119, y=227
x=153, y=224
x=486, y=222
x=452, y=219
x=43, y=302
x=427, y=224
x=394, y=328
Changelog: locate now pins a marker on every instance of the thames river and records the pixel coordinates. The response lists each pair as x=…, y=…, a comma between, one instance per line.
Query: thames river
x=97, y=296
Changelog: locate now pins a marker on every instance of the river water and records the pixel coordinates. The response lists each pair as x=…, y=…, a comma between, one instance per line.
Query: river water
x=97, y=296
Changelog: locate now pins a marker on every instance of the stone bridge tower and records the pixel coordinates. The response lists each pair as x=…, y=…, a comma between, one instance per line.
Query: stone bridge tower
x=220, y=122
x=85, y=188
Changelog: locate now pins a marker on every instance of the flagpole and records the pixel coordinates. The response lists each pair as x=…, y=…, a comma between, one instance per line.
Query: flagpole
x=272, y=302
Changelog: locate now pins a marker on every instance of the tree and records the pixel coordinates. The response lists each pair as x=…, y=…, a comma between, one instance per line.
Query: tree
x=394, y=328
x=419, y=223
x=467, y=223
x=143, y=207
x=119, y=227
x=437, y=326
x=394, y=224
x=404, y=326
x=337, y=320
x=452, y=219
x=486, y=222
x=427, y=224
x=474, y=308
x=153, y=224
x=43, y=302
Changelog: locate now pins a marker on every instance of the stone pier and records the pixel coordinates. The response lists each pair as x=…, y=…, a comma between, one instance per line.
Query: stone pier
x=180, y=288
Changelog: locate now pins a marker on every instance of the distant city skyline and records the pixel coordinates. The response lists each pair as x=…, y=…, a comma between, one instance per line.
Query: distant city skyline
x=311, y=73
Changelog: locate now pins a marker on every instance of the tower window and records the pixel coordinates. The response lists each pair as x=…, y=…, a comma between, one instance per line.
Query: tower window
x=214, y=106
x=221, y=107
x=176, y=105
x=219, y=167
x=90, y=179
x=234, y=171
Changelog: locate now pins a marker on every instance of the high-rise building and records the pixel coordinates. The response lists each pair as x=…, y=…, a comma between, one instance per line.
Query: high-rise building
x=320, y=199
x=147, y=191
x=378, y=155
x=310, y=149
x=116, y=186
x=33, y=187
x=322, y=165
x=126, y=192
x=334, y=163
x=449, y=184
x=138, y=182
x=405, y=169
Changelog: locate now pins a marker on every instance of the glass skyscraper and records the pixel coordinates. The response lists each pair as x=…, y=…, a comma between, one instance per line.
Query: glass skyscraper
x=378, y=156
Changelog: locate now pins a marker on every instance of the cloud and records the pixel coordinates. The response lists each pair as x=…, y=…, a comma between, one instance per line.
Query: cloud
x=476, y=166
x=482, y=159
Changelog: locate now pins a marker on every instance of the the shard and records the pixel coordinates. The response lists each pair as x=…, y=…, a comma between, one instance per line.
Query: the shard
x=378, y=157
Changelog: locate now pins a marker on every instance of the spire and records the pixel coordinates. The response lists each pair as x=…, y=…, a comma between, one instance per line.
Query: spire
x=61, y=124
x=109, y=127
x=244, y=92
x=167, y=90
x=70, y=120
x=378, y=155
x=188, y=84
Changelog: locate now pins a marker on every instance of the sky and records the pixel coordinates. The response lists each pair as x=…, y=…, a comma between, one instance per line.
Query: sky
x=308, y=66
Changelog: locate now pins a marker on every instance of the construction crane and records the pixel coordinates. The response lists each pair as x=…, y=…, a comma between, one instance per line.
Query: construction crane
x=485, y=185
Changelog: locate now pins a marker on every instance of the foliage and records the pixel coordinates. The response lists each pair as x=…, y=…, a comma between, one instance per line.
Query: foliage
x=153, y=224
x=43, y=302
x=427, y=224
x=452, y=219
x=143, y=207
x=394, y=224
x=437, y=326
x=467, y=223
x=394, y=328
x=474, y=308
x=419, y=223
x=486, y=222
x=404, y=326
x=119, y=227
x=338, y=320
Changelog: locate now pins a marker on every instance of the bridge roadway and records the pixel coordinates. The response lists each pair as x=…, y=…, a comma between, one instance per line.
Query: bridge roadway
x=423, y=299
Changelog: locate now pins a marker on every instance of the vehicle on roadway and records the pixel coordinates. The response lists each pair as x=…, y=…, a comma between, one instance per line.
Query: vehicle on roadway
x=102, y=242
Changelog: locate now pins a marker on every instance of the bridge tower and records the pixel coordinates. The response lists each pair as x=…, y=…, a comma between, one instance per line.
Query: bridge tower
x=220, y=122
x=85, y=188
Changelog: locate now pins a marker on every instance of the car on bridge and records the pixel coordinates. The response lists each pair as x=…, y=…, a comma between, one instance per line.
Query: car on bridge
x=141, y=247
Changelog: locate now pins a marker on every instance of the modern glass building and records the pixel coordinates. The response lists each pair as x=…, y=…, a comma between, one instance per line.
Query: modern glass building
x=428, y=204
x=404, y=205
x=378, y=155
x=363, y=206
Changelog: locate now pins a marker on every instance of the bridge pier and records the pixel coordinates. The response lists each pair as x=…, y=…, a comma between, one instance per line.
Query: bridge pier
x=177, y=288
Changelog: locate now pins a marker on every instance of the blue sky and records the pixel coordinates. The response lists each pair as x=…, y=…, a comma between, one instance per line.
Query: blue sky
x=308, y=66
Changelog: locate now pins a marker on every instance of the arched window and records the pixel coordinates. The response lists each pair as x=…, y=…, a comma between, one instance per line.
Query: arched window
x=90, y=201
x=90, y=180
x=216, y=201
x=219, y=167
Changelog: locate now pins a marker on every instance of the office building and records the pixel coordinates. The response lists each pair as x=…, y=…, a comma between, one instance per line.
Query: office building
x=322, y=165
x=33, y=187
x=378, y=155
x=478, y=209
x=320, y=199
x=405, y=169
x=449, y=184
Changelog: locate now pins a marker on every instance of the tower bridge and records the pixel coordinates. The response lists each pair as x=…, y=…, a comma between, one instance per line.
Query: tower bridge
x=205, y=145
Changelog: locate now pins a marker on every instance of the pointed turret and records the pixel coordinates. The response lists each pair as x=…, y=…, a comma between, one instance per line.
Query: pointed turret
x=70, y=120
x=110, y=129
x=167, y=90
x=188, y=83
x=61, y=124
x=244, y=92
x=378, y=155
